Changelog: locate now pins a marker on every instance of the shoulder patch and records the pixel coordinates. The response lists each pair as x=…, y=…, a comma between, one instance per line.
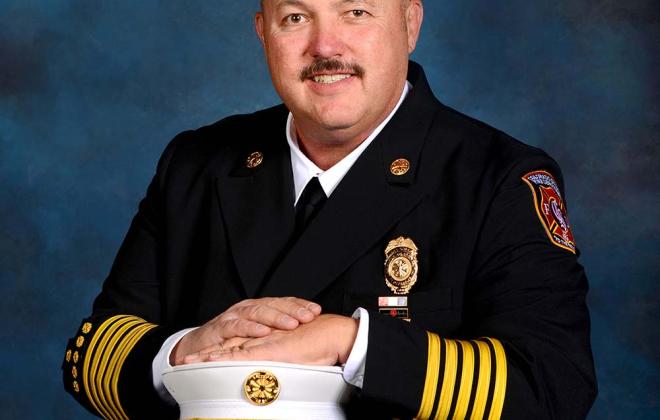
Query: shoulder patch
x=550, y=208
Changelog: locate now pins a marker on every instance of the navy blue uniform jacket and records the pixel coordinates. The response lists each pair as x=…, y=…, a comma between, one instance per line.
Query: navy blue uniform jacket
x=498, y=326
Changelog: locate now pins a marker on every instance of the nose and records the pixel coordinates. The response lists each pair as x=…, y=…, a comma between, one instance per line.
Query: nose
x=326, y=40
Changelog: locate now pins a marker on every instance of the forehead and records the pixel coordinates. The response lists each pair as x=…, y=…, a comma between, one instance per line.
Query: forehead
x=282, y=3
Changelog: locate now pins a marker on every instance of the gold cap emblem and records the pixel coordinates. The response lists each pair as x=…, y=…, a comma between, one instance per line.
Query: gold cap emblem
x=261, y=388
x=80, y=340
x=75, y=357
x=254, y=160
x=400, y=167
x=401, y=265
x=67, y=356
x=87, y=327
x=76, y=387
x=74, y=372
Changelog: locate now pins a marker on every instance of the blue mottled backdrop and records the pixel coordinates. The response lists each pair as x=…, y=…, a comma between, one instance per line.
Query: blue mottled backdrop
x=91, y=91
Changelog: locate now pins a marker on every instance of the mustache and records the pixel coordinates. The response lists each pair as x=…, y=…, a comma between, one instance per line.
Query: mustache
x=330, y=64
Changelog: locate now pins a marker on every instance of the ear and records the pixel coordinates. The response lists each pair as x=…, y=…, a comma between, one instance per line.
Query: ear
x=414, y=18
x=259, y=26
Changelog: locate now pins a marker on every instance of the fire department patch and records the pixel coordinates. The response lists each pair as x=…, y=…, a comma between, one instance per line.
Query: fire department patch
x=550, y=208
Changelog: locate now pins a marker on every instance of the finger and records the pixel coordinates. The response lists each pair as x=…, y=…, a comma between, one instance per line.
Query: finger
x=204, y=355
x=211, y=349
x=300, y=309
x=249, y=343
x=194, y=358
x=241, y=328
x=237, y=354
x=312, y=306
x=263, y=313
x=234, y=342
x=191, y=355
x=202, y=358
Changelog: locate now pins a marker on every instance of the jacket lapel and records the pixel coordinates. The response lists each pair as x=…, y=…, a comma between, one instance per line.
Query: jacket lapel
x=257, y=203
x=366, y=204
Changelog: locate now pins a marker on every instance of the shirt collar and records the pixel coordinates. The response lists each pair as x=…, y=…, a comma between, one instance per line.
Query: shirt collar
x=304, y=169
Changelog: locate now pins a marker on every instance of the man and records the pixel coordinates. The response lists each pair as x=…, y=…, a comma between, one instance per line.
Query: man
x=362, y=195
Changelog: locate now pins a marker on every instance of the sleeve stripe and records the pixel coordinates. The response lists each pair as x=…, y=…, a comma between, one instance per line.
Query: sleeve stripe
x=432, y=372
x=98, y=365
x=473, y=375
x=463, y=399
x=483, y=382
x=104, y=364
x=88, y=356
x=500, y=380
x=107, y=351
x=113, y=370
x=142, y=330
x=448, y=382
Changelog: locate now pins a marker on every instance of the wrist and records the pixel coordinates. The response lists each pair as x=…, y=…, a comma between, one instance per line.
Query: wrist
x=349, y=329
x=179, y=351
x=174, y=353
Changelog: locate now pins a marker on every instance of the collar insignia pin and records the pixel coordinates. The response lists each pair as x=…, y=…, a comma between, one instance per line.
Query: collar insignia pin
x=400, y=167
x=255, y=159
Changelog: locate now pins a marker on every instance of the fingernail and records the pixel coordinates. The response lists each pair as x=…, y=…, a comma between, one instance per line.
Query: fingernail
x=314, y=307
x=214, y=355
x=303, y=312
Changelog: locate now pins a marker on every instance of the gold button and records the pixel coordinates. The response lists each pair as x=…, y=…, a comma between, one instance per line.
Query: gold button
x=400, y=167
x=80, y=341
x=87, y=327
x=261, y=388
x=74, y=372
x=75, y=386
x=254, y=160
x=68, y=356
x=75, y=357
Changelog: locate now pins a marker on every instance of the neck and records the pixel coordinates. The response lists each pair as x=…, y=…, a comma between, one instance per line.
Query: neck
x=327, y=149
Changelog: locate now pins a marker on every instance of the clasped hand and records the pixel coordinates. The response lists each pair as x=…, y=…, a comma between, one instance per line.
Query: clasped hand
x=286, y=329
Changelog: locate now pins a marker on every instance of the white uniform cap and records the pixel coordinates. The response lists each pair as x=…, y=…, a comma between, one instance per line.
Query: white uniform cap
x=257, y=390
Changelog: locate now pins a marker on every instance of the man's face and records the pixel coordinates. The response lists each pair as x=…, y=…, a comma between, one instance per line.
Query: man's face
x=339, y=65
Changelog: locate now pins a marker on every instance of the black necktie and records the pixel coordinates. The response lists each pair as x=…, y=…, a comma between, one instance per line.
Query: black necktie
x=310, y=202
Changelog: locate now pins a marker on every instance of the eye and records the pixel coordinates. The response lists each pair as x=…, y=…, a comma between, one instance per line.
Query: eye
x=357, y=13
x=294, y=19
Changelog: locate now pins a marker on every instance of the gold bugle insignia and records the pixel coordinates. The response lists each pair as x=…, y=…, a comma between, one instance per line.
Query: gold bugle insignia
x=261, y=388
x=401, y=265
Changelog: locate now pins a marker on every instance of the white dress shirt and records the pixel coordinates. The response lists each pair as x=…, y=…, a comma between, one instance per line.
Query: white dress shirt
x=303, y=171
